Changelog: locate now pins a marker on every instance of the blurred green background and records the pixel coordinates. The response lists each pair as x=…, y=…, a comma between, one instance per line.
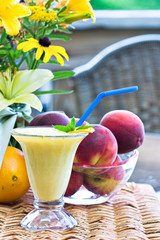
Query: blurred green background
x=125, y=4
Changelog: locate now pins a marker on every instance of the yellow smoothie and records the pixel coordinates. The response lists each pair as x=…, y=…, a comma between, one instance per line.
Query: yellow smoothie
x=49, y=155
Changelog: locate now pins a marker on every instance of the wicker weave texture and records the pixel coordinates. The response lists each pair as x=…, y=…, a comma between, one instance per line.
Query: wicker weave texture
x=133, y=65
x=132, y=214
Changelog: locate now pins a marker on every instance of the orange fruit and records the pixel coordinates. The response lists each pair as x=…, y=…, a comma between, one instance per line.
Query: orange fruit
x=14, y=181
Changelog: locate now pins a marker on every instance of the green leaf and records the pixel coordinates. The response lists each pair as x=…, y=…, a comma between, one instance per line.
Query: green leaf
x=73, y=122
x=27, y=62
x=5, y=49
x=49, y=30
x=11, y=60
x=28, y=29
x=59, y=37
x=62, y=10
x=48, y=3
x=3, y=68
x=62, y=74
x=3, y=36
x=2, y=55
x=84, y=127
x=11, y=53
x=62, y=128
x=65, y=30
x=52, y=62
x=70, y=126
x=24, y=56
x=27, y=21
x=53, y=92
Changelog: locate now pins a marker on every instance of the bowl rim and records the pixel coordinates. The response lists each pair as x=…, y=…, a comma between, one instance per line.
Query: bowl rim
x=131, y=155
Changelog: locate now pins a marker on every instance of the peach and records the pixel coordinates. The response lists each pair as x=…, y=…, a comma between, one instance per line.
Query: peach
x=75, y=182
x=106, y=182
x=127, y=127
x=50, y=118
x=83, y=124
x=98, y=148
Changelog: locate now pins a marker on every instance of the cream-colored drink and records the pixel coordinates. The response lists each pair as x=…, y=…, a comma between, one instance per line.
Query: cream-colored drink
x=49, y=155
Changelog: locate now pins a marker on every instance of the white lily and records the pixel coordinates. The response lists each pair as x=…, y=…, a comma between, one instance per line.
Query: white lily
x=19, y=88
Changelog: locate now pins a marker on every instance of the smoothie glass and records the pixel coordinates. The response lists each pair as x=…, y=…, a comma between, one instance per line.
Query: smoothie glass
x=49, y=155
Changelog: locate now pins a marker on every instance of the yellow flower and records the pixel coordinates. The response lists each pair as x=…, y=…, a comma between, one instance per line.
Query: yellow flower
x=44, y=46
x=9, y=14
x=41, y=14
x=80, y=6
x=19, y=87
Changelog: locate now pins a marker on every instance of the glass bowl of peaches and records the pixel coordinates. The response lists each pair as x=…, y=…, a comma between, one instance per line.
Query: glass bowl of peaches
x=97, y=184
x=105, y=159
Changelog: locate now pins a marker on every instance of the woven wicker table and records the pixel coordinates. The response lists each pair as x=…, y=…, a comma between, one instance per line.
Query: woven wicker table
x=132, y=214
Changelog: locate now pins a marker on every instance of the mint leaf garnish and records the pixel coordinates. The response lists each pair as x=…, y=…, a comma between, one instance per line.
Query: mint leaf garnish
x=62, y=128
x=71, y=126
x=73, y=122
x=84, y=127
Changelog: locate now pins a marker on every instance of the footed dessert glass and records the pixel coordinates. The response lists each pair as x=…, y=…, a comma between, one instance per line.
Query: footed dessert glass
x=97, y=184
x=49, y=155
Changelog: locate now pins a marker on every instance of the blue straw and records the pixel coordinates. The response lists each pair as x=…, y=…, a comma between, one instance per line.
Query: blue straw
x=99, y=97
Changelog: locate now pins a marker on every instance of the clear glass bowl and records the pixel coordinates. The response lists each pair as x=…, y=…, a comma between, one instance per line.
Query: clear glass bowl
x=97, y=184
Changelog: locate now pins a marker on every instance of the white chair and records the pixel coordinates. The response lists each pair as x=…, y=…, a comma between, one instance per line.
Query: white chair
x=133, y=61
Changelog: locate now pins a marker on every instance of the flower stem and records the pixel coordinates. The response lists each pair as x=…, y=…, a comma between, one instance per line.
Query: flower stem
x=35, y=64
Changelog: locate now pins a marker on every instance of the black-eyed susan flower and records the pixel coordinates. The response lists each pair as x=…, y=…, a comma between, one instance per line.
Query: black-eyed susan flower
x=44, y=46
x=39, y=13
x=9, y=14
x=18, y=87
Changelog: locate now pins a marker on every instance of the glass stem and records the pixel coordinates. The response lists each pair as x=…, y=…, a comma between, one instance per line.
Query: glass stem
x=50, y=206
